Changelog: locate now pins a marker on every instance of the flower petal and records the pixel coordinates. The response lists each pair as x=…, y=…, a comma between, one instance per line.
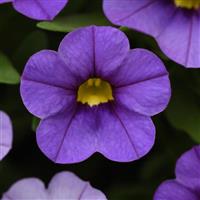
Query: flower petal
x=5, y=1
x=46, y=86
x=68, y=137
x=94, y=51
x=46, y=66
x=39, y=10
x=66, y=185
x=147, y=90
x=194, y=50
x=76, y=50
x=140, y=15
x=180, y=40
x=187, y=168
x=91, y=193
x=6, y=134
x=110, y=48
x=124, y=135
x=74, y=135
x=30, y=188
x=172, y=190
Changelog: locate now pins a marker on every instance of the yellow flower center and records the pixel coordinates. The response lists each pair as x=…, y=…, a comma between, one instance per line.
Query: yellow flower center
x=94, y=92
x=189, y=4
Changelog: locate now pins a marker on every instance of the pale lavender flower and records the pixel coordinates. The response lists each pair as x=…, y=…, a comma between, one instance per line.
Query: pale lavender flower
x=63, y=186
x=6, y=134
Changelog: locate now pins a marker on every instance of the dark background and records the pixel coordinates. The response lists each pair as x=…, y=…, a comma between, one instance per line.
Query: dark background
x=178, y=128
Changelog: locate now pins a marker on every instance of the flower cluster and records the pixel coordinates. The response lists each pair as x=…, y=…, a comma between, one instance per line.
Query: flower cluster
x=96, y=94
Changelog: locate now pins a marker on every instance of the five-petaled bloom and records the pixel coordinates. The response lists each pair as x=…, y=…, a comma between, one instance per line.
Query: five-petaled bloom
x=95, y=95
x=38, y=9
x=175, y=24
x=6, y=134
x=64, y=185
x=186, y=186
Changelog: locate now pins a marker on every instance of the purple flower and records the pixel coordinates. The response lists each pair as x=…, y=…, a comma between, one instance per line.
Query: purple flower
x=186, y=186
x=38, y=9
x=6, y=134
x=64, y=185
x=175, y=24
x=95, y=95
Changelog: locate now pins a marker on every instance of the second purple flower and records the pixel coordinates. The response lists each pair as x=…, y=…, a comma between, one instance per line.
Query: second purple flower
x=95, y=95
x=38, y=9
x=187, y=183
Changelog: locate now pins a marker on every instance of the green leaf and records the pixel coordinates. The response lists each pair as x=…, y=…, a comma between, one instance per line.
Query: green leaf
x=35, y=123
x=71, y=22
x=8, y=73
x=183, y=111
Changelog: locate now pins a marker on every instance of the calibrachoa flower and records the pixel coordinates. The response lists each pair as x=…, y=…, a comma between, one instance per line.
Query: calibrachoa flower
x=95, y=95
x=186, y=186
x=63, y=186
x=175, y=24
x=6, y=134
x=38, y=9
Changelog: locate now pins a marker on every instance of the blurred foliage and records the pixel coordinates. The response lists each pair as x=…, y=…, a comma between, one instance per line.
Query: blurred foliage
x=35, y=123
x=178, y=128
x=8, y=73
x=184, y=109
x=39, y=41
x=71, y=22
